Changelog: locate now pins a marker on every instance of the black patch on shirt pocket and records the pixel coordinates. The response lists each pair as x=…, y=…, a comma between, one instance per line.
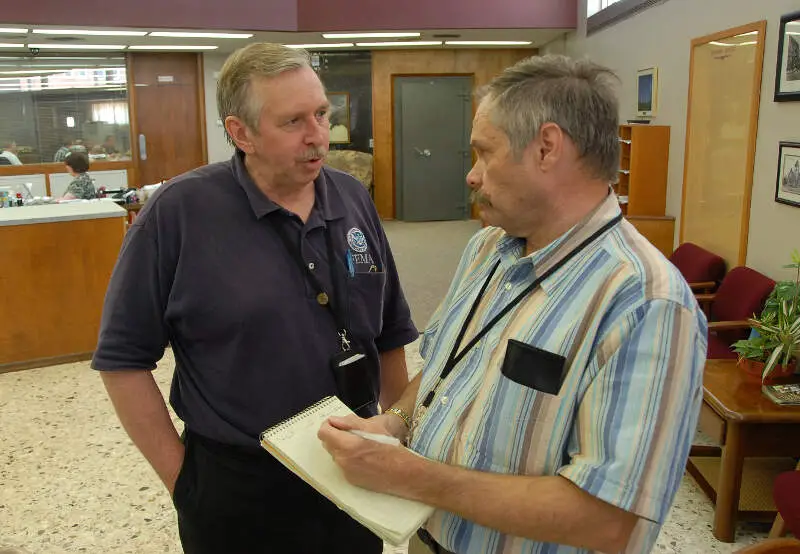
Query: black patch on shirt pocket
x=533, y=367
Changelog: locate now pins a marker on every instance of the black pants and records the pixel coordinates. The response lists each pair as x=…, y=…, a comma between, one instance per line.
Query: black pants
x=233, y=500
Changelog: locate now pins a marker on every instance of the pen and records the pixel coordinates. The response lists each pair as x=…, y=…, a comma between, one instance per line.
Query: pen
x=385, y=439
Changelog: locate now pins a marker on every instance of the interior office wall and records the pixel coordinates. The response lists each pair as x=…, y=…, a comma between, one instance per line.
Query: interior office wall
x=218, y=147
x=661, y=36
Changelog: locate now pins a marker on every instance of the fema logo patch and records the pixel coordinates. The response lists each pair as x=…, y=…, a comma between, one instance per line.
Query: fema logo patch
x=357, y=240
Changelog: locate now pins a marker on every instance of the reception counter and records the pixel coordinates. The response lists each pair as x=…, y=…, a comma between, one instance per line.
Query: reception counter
x=55, y=263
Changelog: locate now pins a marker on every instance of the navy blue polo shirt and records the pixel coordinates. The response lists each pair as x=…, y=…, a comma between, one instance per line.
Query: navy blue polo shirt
x=203, y=268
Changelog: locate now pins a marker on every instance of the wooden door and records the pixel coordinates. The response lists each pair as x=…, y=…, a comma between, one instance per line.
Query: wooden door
x=721, y=129
x=169, y=118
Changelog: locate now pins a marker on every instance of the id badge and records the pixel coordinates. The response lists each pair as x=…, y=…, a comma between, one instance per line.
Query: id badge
x=353, y=373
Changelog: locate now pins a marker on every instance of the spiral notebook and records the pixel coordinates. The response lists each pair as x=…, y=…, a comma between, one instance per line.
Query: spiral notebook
x=295, y=444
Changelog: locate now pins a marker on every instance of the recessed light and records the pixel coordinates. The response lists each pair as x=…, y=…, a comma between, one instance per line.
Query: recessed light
x=371, y=35
x=488, y=42
x=11, y=45
x=87, y=32
x=313, y=46
x=199, y=35
x=13, y=30
x=170, y=47
x=402, y=43
x=78, y=46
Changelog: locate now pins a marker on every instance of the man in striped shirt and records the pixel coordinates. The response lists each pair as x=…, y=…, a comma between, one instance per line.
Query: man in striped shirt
x=563, y=374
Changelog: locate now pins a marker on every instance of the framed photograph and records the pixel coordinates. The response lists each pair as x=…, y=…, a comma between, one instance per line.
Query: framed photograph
x=787, y=73
x=647, y=92
x=339, y=117
x=787, y=187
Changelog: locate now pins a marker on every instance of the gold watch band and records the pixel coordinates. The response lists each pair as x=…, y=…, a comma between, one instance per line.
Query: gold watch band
x=401, y=414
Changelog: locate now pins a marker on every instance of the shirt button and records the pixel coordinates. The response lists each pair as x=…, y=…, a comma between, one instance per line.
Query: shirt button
x=444, y=400
x=508, y=286
x=311, y=266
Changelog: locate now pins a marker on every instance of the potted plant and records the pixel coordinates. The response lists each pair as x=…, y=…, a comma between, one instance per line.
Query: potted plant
x=771, y=352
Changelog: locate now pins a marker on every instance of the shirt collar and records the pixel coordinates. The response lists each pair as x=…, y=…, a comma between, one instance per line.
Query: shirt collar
x=328, y=198
x=512, y=249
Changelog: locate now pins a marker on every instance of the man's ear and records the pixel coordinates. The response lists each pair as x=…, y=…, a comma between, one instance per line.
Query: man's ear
x=240, y=134
x=548, y=146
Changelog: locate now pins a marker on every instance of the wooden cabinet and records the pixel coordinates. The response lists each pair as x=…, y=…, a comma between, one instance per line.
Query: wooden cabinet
x=642, y=184
x=643, y=165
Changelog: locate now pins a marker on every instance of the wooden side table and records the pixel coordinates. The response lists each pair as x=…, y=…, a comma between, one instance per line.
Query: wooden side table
x=746, y=424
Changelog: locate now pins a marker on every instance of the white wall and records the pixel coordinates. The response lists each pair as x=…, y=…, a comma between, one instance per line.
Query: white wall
x=218, y=147
x=661, y=36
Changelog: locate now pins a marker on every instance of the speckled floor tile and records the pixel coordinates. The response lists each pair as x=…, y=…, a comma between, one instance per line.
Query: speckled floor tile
x=71, y=481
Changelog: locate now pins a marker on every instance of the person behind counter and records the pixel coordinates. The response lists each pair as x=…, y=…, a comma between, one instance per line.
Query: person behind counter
x=81, y=186
x=9, y=152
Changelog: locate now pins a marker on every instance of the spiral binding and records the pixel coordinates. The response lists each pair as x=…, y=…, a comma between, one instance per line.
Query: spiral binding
x=274, y=430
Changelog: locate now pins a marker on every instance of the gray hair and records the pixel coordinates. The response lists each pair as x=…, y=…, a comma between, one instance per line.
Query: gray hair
x=576, y=95
x=257, y=60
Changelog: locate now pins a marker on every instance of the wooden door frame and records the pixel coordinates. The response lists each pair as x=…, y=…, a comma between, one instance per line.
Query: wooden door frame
x=393, y=78
x=755, y=103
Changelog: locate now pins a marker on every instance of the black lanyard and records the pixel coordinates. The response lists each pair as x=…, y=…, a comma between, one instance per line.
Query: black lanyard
x=337, y=309
x=456, y=356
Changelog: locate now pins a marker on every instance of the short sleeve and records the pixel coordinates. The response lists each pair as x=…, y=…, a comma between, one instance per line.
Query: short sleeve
x=637, y=419
x=133, y=333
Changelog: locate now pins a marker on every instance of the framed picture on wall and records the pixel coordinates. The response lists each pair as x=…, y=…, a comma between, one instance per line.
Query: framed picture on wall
x=787, y=73
x=339, y=117
x=647, y=92
x=787, y=186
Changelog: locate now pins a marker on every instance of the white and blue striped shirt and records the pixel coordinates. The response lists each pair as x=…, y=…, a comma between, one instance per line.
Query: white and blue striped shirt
x=622, y=423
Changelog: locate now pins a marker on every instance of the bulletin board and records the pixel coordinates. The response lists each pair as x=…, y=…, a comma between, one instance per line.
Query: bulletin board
x=721, y=129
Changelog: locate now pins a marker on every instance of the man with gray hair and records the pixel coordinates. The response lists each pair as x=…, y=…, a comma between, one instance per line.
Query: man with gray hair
x=271, y=278
x=563, y=370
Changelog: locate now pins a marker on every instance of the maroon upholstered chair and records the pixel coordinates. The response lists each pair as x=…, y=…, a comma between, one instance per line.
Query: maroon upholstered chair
x=703, y=270
x=741, y=295
x=787, y=499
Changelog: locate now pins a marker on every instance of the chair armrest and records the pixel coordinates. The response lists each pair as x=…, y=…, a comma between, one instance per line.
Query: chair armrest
x=702, y=285
x=727, y=325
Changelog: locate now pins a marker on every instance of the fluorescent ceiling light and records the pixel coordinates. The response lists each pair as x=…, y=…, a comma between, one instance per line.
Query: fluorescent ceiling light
x=199, y=35
x=78, y=46
x=313, y=46
x=747, y=43
x=11, y=45
x=716, y=43
x=12, y=30
x=87, y=32
x=32, y=71
x=748, y=34
x=169, y=47
x=371, y=35
x=402, y=43
x=488, y=42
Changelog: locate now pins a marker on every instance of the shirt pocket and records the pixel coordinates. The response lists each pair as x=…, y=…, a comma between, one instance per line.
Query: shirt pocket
x=365, y=295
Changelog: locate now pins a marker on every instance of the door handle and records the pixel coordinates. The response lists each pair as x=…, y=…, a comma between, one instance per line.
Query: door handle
x=424, y=153
x=142, y=147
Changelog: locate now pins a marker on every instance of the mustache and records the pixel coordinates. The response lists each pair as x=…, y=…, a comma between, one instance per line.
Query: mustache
x=477, y=197
x=313, y=153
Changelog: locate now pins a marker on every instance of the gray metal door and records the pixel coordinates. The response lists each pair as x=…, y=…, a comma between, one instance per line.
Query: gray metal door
x=433, y=120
